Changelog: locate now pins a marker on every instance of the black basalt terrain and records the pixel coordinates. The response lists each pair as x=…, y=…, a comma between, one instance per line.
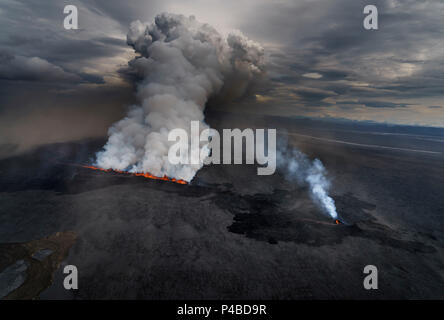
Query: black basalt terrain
x=230, y=233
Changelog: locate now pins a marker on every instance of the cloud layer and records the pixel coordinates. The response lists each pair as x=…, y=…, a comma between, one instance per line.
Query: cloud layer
x=320, y=59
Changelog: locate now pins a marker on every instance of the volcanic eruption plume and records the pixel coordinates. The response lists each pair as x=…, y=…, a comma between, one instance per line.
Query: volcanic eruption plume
x=182, y=63
x=298, y=167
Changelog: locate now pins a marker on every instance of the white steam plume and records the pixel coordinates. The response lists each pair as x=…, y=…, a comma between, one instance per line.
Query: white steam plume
x=297, y=166
x=182, y=63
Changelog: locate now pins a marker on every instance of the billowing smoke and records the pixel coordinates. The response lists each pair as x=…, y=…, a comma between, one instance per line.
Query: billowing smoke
x=297, y=166
x=182, y=63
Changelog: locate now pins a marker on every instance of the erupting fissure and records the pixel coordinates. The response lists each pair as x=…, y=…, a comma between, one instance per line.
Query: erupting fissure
x=139, y=174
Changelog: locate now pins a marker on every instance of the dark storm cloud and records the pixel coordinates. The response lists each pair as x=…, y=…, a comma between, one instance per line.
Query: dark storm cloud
x=125, y=12
x=332, y=75
x=376, y=104
x=32, y=31
x=64, y=51
x=324, y=37
x=57, y=84
x=37, y=69
x=401, y=60
x=313, y=94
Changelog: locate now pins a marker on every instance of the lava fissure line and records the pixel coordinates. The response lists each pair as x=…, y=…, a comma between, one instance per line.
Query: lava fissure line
x=138, y=174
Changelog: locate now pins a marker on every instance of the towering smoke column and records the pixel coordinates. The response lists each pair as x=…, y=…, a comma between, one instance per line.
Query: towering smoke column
x=298, y=166
x=182, y=63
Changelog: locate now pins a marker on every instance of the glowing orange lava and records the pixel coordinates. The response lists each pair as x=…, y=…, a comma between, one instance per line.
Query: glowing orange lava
x=337, y=221
x=139, y=174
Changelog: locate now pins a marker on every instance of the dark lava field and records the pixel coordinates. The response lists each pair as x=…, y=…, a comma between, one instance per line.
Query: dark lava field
x=230, y=234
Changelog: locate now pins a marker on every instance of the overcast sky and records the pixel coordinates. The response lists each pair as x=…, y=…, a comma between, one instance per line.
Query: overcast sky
x=321, y=62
